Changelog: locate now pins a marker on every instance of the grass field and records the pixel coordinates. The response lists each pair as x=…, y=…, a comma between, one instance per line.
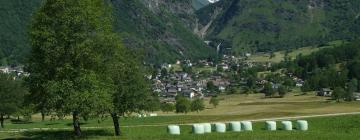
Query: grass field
x=322, y=128
x=279, y=56
x=231, y=108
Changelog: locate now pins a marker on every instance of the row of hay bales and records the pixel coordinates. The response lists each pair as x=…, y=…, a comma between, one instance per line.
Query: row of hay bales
x=146, y=115
x=238, y=127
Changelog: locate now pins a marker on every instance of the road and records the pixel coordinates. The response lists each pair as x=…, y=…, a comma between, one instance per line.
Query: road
x=156, y=125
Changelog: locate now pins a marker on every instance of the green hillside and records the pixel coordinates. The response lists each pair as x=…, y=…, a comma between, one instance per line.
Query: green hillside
x=161, y=34
x=162, y=37
x=270, y=25
x=14, y=20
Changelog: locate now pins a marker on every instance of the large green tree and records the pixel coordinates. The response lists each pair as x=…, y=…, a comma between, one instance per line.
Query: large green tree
x=11, y=96
x=73, y=45
x=132, y=91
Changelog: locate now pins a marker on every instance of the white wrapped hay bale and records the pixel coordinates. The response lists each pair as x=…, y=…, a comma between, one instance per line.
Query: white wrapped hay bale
x=174, y=129
x=302, y=125
x=153, y=115
x=220, y=127
x=270, y=125
x=287, y=125
x=207, y=127
x=198, y=129
x=235, y=126
x=246, y=125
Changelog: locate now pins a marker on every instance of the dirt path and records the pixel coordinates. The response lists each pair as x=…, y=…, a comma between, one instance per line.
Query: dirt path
x=156, y=125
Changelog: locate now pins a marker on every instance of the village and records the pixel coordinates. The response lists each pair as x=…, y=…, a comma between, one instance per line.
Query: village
x=207, y=78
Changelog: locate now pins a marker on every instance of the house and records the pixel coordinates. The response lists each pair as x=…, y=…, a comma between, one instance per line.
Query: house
x=325, y=92
x=4, y=70
x=357, y=96
x=171, y=92
x=189, y=93
x=223, y=66
x=222, y=88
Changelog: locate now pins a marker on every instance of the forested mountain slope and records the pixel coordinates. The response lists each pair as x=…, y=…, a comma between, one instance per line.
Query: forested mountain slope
x=161, y=29
x=265, y=25
x=15, y=18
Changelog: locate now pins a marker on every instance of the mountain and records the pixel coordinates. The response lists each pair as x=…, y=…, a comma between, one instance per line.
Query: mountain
x=198, y=4
x=268, y=25
x=14, y=20
x=161, y=29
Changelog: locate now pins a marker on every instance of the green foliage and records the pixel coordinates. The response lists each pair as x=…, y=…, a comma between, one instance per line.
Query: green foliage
x=211, y=87
x=282, y=91
x=269, y=90
x=338, y=94
x=331, y=67
x=71, y=56
x=351, y=88
x=183, y=105
x=214, y=101
x=197, y=105
x=11, y=95
x=132, y=89
x=167, y=107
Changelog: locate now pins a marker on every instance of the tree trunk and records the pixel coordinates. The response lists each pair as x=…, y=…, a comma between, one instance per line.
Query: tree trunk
x=76, y=124
x=42, y=116
x=116, y=123
x=2, y=121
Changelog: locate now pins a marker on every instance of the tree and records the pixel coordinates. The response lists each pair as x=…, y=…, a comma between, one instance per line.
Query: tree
x=132, y=92
x=167, y=107
x=73, y=44
x=306, y=87
x=352, y=87
x=214, y=101
x=282, y=91
x=197, y=105
x=231, y=90
x=251, y=82
x=163, y=72
x=182, y=105
x=211, y=87
x=11, y=96
x=268, y=89
x=338, y=93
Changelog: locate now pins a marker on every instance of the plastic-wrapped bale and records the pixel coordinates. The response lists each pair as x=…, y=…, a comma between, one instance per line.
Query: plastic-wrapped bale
x=153, y=115
x=174, y=129
x=287, y=125
x=302, y=125
x=207, y=127
x=235, y=126
x=220, y=127
x=198, y=129
x=270, y=125
x=246, y=125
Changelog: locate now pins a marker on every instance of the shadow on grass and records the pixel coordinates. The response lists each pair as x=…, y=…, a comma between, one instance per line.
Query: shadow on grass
x=15, y=121
x=62, y=134
x=71, y=124
x=53, y=123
